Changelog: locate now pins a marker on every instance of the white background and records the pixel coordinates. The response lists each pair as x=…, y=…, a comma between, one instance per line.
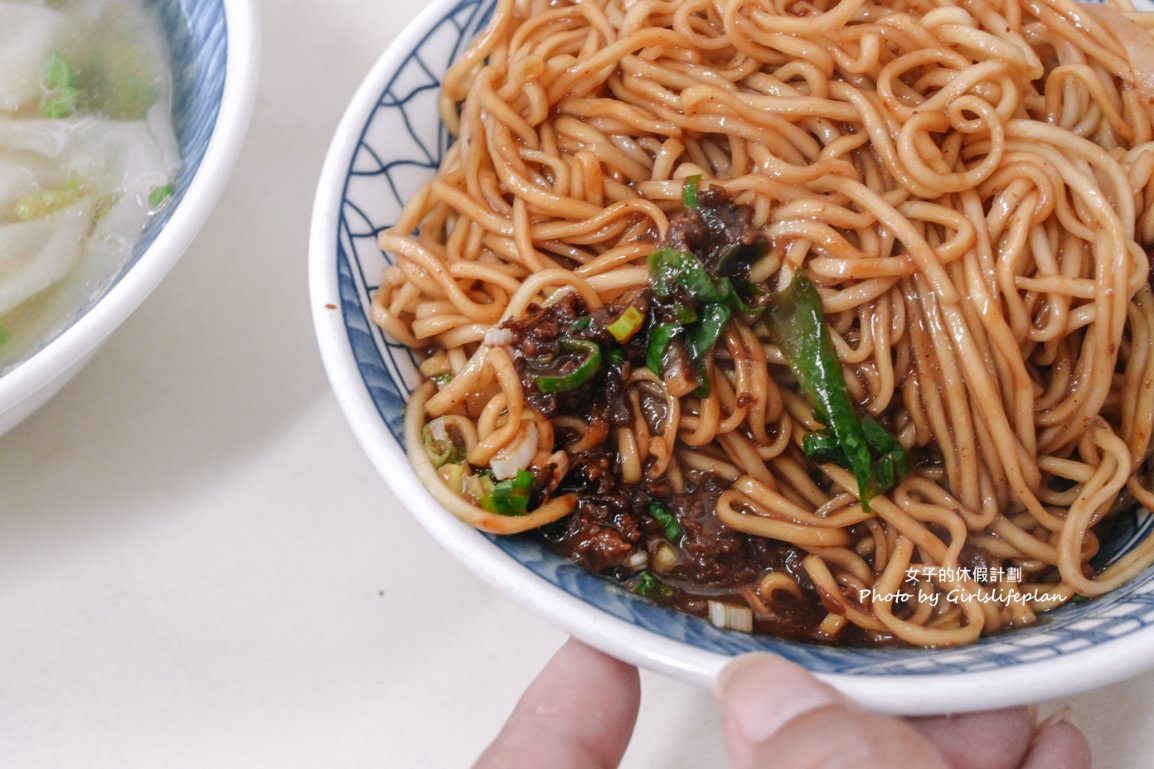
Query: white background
x=198, y=566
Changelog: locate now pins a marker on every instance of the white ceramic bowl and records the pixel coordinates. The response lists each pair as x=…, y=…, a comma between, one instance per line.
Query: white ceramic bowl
x=214, y=46
x=389, y=142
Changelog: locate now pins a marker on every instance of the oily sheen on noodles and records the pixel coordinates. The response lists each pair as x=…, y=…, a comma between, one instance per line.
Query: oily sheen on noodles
x=607, y=281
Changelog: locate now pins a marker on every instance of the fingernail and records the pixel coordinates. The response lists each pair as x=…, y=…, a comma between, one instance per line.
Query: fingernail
x=1063, y=715
x=760, y=693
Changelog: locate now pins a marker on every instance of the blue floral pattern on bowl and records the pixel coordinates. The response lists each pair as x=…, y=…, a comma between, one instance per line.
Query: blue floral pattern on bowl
x=400, y=146
x=197, y=32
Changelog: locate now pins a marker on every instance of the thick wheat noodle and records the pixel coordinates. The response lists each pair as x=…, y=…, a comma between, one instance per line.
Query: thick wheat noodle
x=971, y=187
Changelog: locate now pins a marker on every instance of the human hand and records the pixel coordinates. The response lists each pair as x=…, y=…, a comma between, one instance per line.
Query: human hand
x=577, y=714
x=580, y=711
x=778, y=715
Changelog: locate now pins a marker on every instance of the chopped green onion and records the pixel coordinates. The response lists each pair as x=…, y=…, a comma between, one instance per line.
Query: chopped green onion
x=689, y=191
x=701, y=336
x=627, y=324
x=511, y=496
x=650, y=587
x=41, y=203
x=822, y=446
x=443, y=379
x=664, y=558
x=738, y=259
x=744, y=296
x=60, y=81
x=891, y=464
x=728, y=615
x=60, y=74
x=157, y=195
x=587, y=366
x=663, y=271
x=796, y=322
x=1080, y=599
x=685, y=313
x=453, y=477
x=670, y=268
x=659, y=340
x=663, y=515
x=480, y=488
x=439, y=450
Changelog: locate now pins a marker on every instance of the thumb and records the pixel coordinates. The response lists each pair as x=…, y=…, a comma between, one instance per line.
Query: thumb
x=778, y=715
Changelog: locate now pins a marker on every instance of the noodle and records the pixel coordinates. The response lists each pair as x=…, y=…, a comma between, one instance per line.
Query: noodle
x=969, y=186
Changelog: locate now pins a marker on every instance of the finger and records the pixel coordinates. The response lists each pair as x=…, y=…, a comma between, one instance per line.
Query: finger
x=996, y=739
x=778, y=715
x=1058, y=744
x=577, y=714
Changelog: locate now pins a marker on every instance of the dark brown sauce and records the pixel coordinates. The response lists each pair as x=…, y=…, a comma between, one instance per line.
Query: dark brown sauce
x=613, y=525
x=670, y=547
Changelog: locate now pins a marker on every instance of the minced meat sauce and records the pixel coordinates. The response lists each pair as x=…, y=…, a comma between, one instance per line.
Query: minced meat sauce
x=612, y=531
x=668, y=546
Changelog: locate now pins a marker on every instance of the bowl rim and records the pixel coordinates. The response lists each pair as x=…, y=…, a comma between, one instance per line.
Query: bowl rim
x=899, y=693
x=84, y=335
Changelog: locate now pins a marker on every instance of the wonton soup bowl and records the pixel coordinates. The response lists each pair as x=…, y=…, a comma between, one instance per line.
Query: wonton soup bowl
x=388, y=144
x=214, y=49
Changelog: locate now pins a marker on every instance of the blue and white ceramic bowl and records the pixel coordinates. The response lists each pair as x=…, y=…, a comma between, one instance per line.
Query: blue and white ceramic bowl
x=388, y=144
x=214, y=46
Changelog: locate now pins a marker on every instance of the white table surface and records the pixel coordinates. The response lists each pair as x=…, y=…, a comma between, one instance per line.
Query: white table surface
x=198, y=566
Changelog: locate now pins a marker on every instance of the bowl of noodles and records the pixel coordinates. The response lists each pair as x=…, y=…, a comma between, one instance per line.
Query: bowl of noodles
x=120, y=122
x=822, y=329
